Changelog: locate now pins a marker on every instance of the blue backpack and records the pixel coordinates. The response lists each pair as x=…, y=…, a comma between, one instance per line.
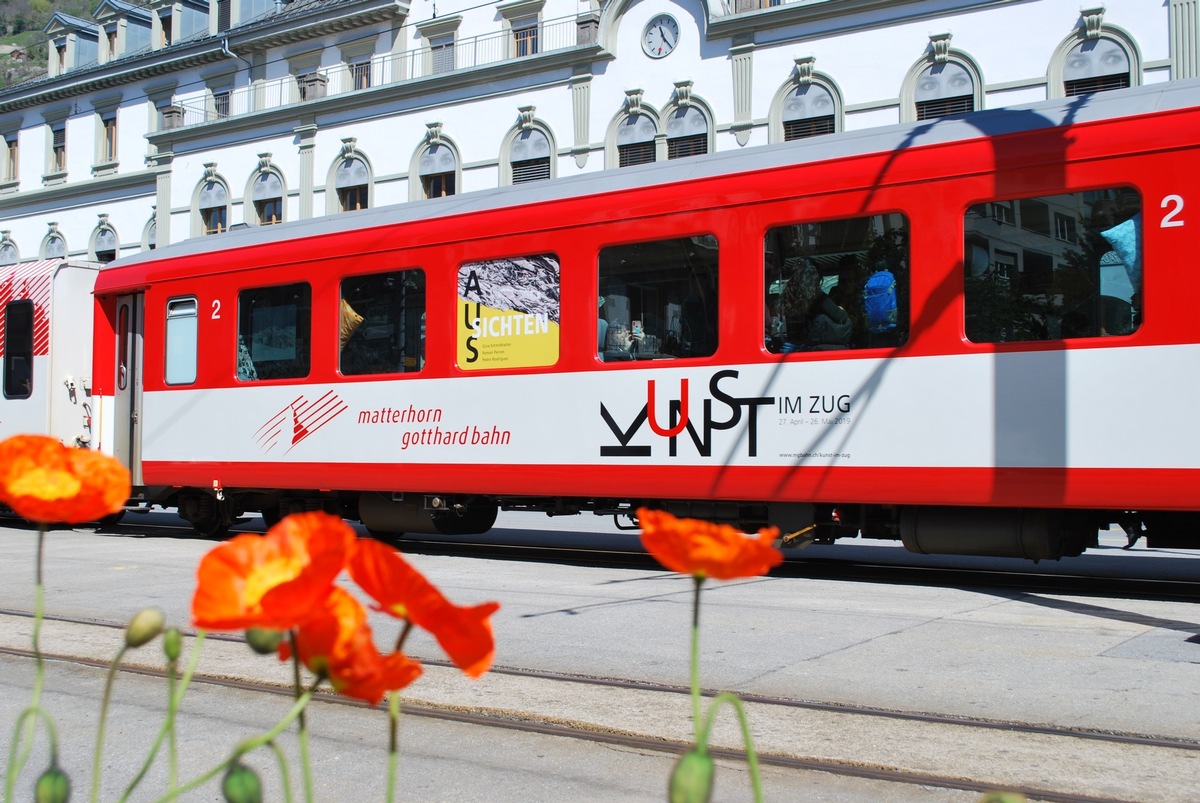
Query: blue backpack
x=879, y=301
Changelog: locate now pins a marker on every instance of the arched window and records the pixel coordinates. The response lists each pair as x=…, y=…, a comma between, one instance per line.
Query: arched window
x=54, y=246
x=944, y=89
x=808, y=110
x=150, y=234
x=1095, y=65
x=352, y=181
x=213, y=206
x=104, y=244
x=945, y=81
x=635, y=140
x=1095, y=57
x=529, y=156
x=9, y=255
x=438, y=171
x=687, y=132
x=266, y=193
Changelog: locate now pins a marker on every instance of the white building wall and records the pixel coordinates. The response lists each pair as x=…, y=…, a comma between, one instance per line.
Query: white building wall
x=866, y=56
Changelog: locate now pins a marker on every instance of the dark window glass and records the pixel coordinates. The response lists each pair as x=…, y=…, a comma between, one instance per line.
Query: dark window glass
x=1081, y=277
x=353, y=198
x=837, y=284
x=381, y=323
x=18, y=350
x=273, y=332
x=438, y=185
x=658, y=299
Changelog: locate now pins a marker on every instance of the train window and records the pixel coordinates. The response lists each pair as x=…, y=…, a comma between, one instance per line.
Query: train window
x=382, y=323
x=182, y=341
x=18, y=349
x=658, y=299
x=273, y=332
x=508, y=313
x=1072, y=270
x=837, y=284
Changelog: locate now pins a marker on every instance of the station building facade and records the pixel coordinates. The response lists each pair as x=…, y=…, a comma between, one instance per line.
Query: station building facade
x=173, y=119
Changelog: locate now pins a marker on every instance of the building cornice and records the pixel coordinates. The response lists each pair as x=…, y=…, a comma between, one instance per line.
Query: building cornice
x=132, y=69
x=88, y=191
x=748, y=23
x=285, y=116
x=116, y=73
x=337, y=18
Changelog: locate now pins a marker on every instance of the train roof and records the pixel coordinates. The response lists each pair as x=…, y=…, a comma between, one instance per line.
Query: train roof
x=1131, y=102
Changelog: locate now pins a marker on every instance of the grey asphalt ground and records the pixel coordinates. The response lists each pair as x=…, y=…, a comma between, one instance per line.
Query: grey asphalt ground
x=1096, y=663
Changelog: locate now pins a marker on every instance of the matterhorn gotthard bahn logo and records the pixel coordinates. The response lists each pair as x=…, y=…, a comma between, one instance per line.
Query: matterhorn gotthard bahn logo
x=298, y=420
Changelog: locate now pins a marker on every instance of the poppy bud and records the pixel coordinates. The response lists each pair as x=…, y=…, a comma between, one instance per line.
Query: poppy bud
x=172, y=643
x=145, y=625
x=262, y=640
x=692, y=778
x=241, y=785
x=53, y=786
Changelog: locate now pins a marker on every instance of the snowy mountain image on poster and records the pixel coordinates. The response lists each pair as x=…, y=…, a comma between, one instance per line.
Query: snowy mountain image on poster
x=508, y=312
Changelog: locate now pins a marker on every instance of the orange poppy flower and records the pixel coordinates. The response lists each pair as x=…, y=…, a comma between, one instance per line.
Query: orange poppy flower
x=46, y=482
x=337, y=644
x=704, y=549
x=275, y=580
x=464, y=632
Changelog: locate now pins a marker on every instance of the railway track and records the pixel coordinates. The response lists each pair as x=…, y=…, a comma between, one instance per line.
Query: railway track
x=1042, y=762
x=846, y=561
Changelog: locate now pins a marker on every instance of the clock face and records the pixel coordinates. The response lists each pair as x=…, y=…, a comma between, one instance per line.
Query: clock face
x=661, y=36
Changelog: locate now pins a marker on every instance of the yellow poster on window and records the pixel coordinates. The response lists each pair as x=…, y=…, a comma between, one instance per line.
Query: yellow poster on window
x=508, y=313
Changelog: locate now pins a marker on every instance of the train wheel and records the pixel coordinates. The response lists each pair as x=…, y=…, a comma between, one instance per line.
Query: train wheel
x=211, y=527
x=209, y=517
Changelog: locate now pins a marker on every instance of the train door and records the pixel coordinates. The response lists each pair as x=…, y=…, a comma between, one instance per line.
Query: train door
x=127, y=436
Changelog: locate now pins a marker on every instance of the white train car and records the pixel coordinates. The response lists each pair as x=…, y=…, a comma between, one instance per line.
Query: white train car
x=46, y=312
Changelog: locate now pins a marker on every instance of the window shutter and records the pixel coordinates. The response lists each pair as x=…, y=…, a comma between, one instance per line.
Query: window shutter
x=530, y=170
x=1102, y=83
x=809, y=127
x=637, y=153
x=682, y=147
x=929, y=109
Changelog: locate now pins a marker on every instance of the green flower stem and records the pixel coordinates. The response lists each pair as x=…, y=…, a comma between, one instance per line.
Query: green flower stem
x=394, y=721
x=751, y=757
x=305, y=765
x=109, y=679
x=283, y=771
x=699, y=581
x=40, y=667
x=14, y=763
x=244, y=747
x=393, y=743
x=178, y=688
x=172, y=745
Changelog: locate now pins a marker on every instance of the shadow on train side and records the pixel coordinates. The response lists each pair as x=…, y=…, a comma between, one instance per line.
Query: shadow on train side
x=1020, y=399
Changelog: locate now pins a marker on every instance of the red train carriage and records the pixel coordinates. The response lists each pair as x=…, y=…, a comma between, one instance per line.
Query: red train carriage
x=971, y=333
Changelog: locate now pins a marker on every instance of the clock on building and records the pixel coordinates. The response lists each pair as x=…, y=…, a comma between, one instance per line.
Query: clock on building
x=661, y=36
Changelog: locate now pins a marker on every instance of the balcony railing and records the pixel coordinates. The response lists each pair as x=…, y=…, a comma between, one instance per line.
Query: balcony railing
x=466, y=53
